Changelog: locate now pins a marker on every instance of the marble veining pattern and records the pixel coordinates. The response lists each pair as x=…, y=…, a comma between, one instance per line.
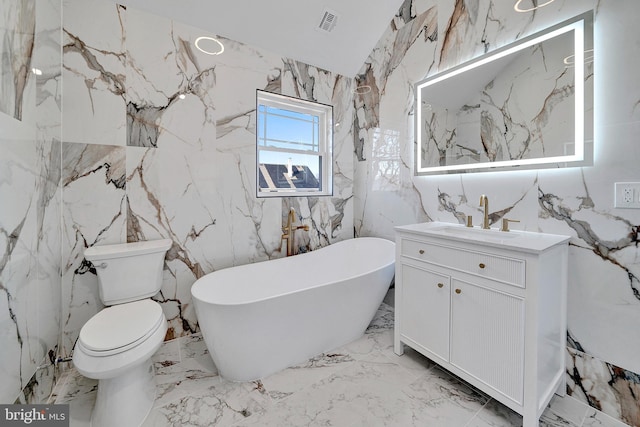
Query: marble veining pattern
x=16, y=51
x=361, y=384
x=157, y=99
x=509, y=121
x=586, y=375
x=97, y=169
x=30, y=216
x=163, y=137
x=94, y=64
x=105, y=189
x=603, y=291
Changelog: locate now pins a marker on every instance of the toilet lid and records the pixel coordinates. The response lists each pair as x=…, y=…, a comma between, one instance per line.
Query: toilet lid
x=121, y=325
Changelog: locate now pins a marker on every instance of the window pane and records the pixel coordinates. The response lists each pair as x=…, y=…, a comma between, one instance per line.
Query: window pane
x=293, y=146
x=287, y=129
x=289, y=171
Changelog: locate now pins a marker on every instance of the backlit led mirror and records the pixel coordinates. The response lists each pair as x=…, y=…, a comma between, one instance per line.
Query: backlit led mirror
x=526, y=105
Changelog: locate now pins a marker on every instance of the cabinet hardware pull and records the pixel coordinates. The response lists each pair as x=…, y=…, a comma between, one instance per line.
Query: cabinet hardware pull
x=481, y=265
x=440, y=285
x=458, y=291
x=421, y=251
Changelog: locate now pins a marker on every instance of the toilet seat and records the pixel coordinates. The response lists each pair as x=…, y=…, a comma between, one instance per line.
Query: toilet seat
x=120, y=327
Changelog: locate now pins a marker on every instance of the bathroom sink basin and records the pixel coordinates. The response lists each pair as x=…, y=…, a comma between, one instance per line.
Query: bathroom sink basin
x=515, y=239
x=478, y=233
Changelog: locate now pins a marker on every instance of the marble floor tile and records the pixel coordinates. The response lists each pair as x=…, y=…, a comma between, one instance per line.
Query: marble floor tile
x=444, y=399
x=600, y=419
x=221, y=403
x=549, y=419
x=193, y=347
x=75, y=386
x=80, y=409
x=288, y=381
x=168, y=354
x=383, y=319
x=173, y=386
x=494, y=414
x=366, y=392
x=363, y=383
x=568, y=408
x=370, y=343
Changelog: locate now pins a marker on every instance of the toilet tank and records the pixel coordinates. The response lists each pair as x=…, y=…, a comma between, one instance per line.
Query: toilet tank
x=128, y=271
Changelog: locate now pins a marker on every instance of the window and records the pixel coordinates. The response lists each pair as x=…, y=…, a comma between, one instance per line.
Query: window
x=294, y=140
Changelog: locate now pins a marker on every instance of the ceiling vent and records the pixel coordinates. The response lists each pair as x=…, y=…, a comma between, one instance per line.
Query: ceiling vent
x=328, y=22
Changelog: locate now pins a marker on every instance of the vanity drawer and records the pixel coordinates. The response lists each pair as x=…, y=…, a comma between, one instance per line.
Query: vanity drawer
x=492, y=266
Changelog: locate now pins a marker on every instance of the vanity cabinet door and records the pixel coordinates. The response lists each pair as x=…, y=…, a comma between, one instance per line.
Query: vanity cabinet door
x=425, y=309
x=487, y=336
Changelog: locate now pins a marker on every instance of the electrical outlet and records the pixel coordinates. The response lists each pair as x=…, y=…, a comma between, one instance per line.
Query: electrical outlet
x=627, y=195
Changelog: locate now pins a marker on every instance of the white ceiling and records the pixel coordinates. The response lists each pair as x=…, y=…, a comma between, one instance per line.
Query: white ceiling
x=288, y=27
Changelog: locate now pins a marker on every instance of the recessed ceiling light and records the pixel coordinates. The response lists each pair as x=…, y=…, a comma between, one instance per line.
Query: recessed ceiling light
x=518, y=9
x=36, y=71
x=361, y=90
x=217, y=49
x=182, y=96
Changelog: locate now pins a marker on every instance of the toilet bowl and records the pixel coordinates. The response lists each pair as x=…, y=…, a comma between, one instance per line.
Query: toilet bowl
x=115, y=346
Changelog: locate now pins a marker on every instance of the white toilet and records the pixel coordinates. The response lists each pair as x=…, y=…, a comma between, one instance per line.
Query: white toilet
x=115, y=346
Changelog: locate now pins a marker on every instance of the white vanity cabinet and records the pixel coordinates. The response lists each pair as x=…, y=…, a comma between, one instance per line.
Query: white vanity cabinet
x=489, y=306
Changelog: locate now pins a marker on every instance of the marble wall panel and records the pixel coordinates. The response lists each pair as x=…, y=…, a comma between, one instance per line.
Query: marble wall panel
x=16, y=50
x=18, y=236
x=604, y=386
x=190, y=160
x=94, y=73
x=606, y=290
x=30, y=194
x=48, y=113
x=48, y=60
x=29, y=259
x=197, y=199
x=603, y=290
x=385, y=114
x=157, y=74
x=94, y=212
x=47, y=317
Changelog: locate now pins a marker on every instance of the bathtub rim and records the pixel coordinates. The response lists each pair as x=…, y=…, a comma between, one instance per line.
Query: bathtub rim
x=201, y=282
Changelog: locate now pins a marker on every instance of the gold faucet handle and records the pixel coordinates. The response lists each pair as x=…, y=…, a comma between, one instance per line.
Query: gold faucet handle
x=505, y=223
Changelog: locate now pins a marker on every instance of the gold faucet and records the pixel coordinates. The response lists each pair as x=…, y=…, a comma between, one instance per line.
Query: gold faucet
x=288, y=231
x=505, y=223
x=484, y=203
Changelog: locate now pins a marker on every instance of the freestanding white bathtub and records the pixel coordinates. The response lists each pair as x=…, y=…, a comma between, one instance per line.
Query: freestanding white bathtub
x=257, y=319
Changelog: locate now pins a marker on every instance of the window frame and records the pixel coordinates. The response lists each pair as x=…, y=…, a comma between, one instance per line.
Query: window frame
x=324, y=112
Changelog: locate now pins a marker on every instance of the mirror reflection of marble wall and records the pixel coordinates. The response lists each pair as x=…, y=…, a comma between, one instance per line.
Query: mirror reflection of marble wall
x=519, y=107
x=519, y=120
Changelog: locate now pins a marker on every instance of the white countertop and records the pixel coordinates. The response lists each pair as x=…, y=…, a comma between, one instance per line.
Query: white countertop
x=524, y=241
